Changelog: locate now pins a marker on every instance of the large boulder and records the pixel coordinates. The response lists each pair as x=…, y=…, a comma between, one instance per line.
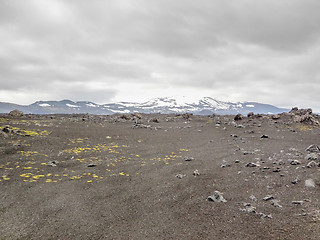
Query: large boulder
x=16, y=113
x=238, y=117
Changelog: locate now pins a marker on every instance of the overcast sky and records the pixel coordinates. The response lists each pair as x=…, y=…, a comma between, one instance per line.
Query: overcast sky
x=134, y=50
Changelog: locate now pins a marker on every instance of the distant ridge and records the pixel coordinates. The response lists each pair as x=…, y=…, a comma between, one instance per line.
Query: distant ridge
x=204, y=106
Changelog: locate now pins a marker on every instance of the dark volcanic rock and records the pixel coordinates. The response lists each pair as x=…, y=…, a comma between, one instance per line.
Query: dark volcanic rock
x=238, y=117
x=250, y=114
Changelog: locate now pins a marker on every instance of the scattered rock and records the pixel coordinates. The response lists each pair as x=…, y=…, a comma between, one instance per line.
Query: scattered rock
x=251, y=164
x=312, y=156
x=248, y=208
x=310, y=183
x=276, y=169
x=52, y=163
x=250, y=114
x=217, y=197
x=196, y=173
x=246, y=152
x=180, y=176
x=262, y=215
x=225, y=164
x=275, y=117
x=253, y=198
x=137, y=115
x=295, y=181
x=155, y=120
x=268, y=197
x=238, y=117
x=7, y=129
x=92, y=165
x=126, y=117
x=295, y=162
x=275, y=203
x=187, y=116
x=313, y=149
x=312, y=164
x=297, y=202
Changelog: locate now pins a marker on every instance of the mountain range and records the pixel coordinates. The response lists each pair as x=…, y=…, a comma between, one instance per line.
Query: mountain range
x=204, y=106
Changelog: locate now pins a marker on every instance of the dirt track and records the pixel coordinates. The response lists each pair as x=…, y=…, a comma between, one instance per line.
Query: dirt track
x=91, y=177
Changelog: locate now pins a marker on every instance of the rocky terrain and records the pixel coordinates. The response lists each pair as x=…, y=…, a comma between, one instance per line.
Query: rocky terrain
x=160, y=176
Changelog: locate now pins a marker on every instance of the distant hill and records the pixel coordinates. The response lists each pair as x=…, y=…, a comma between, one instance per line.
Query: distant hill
x=204, y=106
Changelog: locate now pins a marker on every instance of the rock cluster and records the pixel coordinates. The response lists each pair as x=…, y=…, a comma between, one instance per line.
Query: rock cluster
x=304, y=116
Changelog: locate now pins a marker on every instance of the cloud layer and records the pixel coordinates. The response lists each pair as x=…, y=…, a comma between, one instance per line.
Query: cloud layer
x=134, y=50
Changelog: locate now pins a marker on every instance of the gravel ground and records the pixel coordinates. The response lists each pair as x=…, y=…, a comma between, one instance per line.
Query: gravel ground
x=133, y=177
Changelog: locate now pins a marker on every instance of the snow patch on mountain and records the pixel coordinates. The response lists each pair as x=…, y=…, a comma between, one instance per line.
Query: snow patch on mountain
x=72, y=106
x=92, y=105
x=44, y=105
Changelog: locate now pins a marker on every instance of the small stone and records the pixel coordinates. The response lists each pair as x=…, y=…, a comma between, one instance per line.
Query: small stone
x=92, y=165
x=262, y=215
x=276, y=170
x=295, y=181
x=295, y=162
x=247, y=153
x=180, y=176
x=275, y=203
x=188, y=159
x=251, y=164
x=297, y=202
x=248, y=208
x=264, y=136
x=52, y=163
x=217, y=197
x=253, y=198
x=196, y=173
x=268, y=197
x=237, y=161
x=250, y=114
x=225, y=165
x=311, y=164
x=275, y=117
x=310, y=183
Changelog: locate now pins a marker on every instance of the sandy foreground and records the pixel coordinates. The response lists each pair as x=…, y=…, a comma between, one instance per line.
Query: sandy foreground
x=156, y=177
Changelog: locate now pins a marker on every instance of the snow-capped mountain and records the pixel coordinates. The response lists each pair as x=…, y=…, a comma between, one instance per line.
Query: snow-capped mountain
x=204, y=106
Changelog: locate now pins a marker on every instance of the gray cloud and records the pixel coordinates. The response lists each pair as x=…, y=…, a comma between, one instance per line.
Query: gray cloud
x=131, y=50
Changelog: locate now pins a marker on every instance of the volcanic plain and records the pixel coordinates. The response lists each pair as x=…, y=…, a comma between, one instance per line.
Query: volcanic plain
x=155, y=176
